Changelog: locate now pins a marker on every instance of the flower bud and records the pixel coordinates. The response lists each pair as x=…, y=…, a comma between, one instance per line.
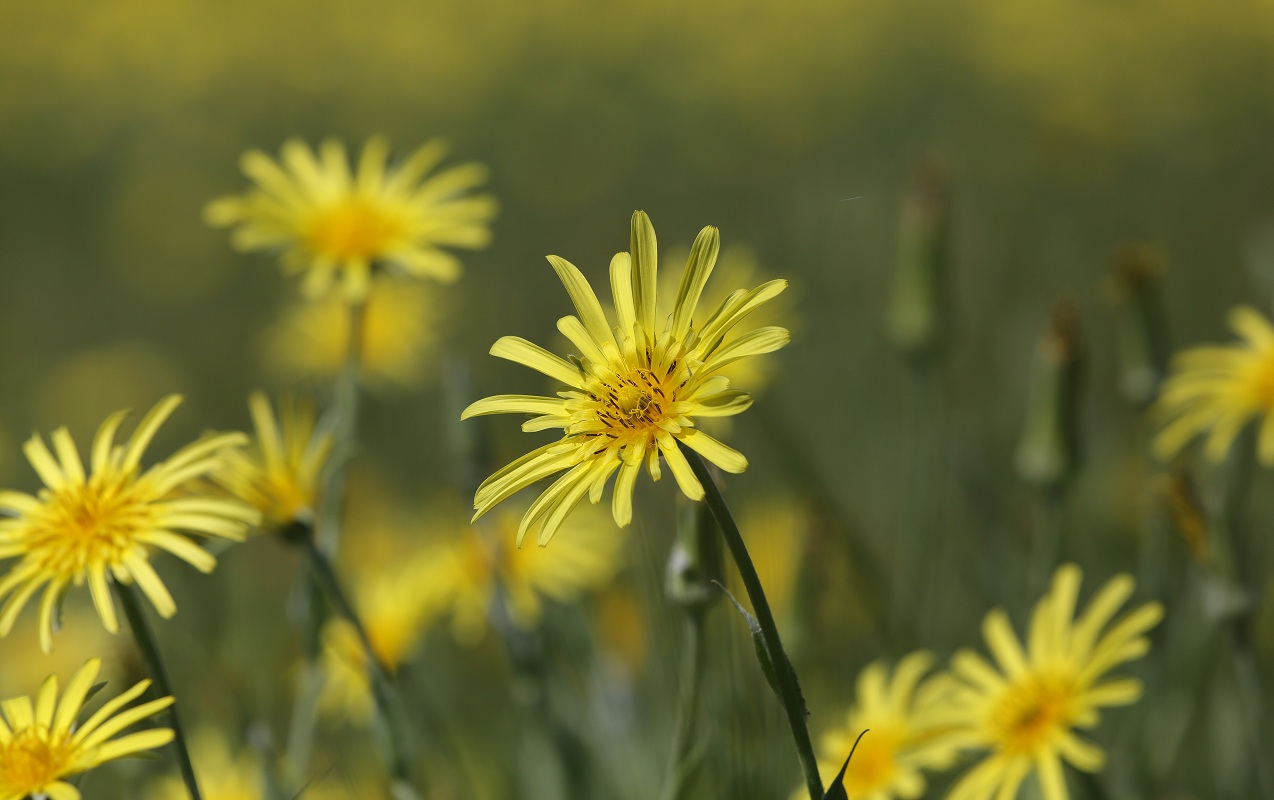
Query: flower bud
x=1047, y=453
x=1141, y=323
x=917, y=312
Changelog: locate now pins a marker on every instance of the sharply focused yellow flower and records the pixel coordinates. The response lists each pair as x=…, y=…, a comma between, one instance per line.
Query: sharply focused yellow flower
x=634, y=390
x=399, y=336
x=281, y=475
x=41, y=744
x=1216, y=390
x=1025, y=714
x=103, y=526
x=905, y=736
x=337, y=226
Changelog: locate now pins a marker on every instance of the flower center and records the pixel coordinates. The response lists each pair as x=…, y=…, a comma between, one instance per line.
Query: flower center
x=1032, y=712
x=354, y=228
x=29, y=762
x=633, y=402
x=94, y=523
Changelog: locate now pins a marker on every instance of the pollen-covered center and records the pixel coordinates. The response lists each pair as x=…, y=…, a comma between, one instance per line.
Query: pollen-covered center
x=1032, y=712
x=635, y=401
x=93, y=523
x=355, y=228
x=29, y=763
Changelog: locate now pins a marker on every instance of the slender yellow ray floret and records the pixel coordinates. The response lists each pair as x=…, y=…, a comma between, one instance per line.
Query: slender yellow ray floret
x=335, y=224
x=1025, y=714
x=42, y=744
x=634, y=389
x=103, y=525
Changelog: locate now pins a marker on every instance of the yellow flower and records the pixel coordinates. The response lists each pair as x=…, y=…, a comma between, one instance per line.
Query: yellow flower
x=336, y=226
x=1216, y=390
x=635, y=389
x=280, y=476
x=41, y=744
x=905, y=736
x=222, y=774
x=778, y=526
x=399, y=336
x=95, y=528
x=1025, y=713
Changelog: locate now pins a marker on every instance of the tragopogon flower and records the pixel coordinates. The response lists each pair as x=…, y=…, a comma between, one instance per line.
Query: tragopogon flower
x=42, y=744
x=1216, y=390
x=1025, y=714
x=102, y=526
x=904, y=736
x=634, y=391
x=335, y=225
x=280, y=476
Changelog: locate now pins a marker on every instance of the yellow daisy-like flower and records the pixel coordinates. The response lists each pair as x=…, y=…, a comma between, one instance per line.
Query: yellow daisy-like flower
x=905, y=735
x=634, y=391
x=281, y=475
x=1216, y=390
x=41, y=744
x=399, y=336
x=102, y=526
x=223, y=775
x=1025, y=713
x=336, y=225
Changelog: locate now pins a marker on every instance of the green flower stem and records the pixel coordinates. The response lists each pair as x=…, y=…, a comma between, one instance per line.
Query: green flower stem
x=345, y=406
x=684, y=763
x=383, y=690
x=789, y=689
x=149, y=648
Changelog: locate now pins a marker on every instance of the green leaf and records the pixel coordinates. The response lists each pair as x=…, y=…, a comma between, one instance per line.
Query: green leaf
x=758, y=642
x=837, y=790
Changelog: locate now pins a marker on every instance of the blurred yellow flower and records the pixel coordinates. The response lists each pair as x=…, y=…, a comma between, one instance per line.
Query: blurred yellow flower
x=80, y=637
x=336, y=225
x=778, y=526
x=102, y=526
x=280, y=475
x=222, y=774
x=635, y=389
x=399, y=336
x=1025, y=713
x=1216, y=390
x=41, y=743
x=904, y=738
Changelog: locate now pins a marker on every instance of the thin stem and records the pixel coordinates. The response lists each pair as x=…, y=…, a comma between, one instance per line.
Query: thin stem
x=383, y=690
x=682, y=765
x=789, y=689
x=149, y=649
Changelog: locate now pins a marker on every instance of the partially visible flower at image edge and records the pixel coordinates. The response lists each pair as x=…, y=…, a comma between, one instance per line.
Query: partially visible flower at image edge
x=41, y=744
x=281, y=475
x=1215, y=390
x=635, y=388
x=336, y=225
x=1024, y=715
x=101, y=526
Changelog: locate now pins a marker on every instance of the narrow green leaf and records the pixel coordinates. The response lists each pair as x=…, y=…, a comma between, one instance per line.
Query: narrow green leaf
x=837, y=790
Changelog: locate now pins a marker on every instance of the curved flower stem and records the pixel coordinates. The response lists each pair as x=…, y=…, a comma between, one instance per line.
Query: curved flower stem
x=149, y=649
x=789, y=689
x=383, y=690
x=683, y=763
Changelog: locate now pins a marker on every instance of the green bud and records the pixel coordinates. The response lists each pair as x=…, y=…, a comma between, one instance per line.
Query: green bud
x=917, y=311
x=695, y=565
x=1141, y=323
x=1047, y=453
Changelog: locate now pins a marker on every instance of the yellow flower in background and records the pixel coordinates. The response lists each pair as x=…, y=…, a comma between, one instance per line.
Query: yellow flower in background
x=904, y=736
x=80, y=637
x=41, y=744
x=281, y=475
x=400, y=336
x=634, y=391
x=336, y=225
x=223, y=775
x=778, y=527
x=1025, y=713
x=1216, y=390
x=103, y=526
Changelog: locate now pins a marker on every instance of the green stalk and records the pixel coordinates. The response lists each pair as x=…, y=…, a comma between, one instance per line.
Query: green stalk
x=684, y=763
x=789, y=689
x=149, y=649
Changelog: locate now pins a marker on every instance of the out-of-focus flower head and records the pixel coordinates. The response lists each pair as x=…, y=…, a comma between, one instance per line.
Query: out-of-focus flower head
x=43, y=743
x=223, y=774
x=1023, y=716
x=778, y=527
x=337, y=225
x=102, y=525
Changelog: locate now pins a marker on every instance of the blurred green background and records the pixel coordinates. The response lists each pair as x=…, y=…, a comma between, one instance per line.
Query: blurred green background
x=1066, y=128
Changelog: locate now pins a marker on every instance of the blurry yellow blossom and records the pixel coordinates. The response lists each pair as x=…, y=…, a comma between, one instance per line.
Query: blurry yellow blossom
x=778, y=526
x=42, y=743
x=336, y=225
x=620, y=627
x=280, y=475
x=1216, y=390
x=80, y=638
x=1024, y=715
x=102, y=525
x=634, y=390
x=399, y=336
x=904, y=737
